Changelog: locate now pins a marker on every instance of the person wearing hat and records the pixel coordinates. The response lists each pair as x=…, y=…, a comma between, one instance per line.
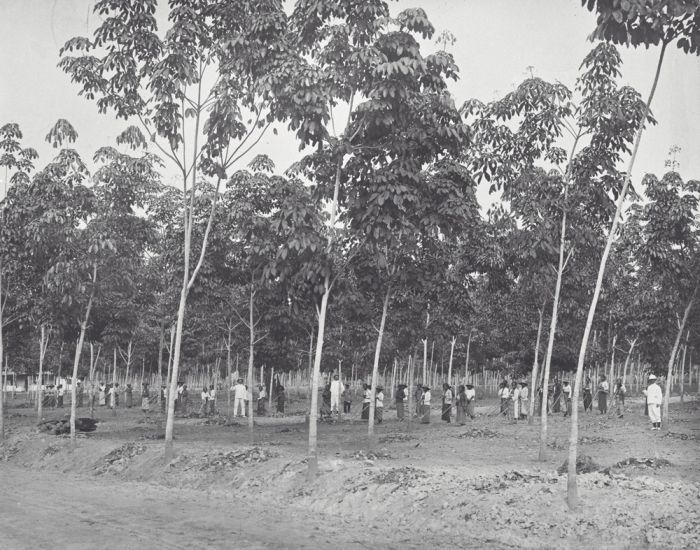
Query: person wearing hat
x=654, y=400
x=425, y=406
x=240, y=393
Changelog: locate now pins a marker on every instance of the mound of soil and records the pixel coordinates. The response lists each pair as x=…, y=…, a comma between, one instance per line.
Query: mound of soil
x=119, y=458
x=225, y=460
x=584, y=465
x=643, y=462
x=480, y=433
x=370, y=455
x=59, y=427
x=590, y=439
x=400, y=476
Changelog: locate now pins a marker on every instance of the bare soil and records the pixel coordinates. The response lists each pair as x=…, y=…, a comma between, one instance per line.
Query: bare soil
x=437, y=485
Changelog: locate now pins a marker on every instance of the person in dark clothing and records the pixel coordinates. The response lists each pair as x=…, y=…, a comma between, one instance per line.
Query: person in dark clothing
x=129, y=396
x=556, y=396
x=347, y=399
x=281, y=398
x=400, y=398
x=326, y=403
x=588, y=395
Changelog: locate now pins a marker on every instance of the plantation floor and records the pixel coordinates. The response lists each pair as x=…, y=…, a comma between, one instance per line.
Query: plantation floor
x=475, y=486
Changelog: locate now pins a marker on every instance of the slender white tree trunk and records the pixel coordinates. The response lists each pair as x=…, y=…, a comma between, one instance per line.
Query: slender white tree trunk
x=572, y=489
x=43, y=344
x=449, y=367
x=76, y=360
x=375, y=366
x=674, y=352
x=251, y=358
x=322, y=310
x=550, y=343
x=535, y=367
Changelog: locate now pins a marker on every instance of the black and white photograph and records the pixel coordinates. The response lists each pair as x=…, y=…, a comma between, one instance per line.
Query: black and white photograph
x=349, y=274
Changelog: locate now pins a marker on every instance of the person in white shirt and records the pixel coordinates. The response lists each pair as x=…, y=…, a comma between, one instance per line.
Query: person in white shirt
x=204, y=409
x=504, y=394
x=425, y=406
x=516, y=401
x=379, y=405
x=603, y=390
x=470, y=396
x=654, y=400
x=336, y=392
x=524, y=400
x=239, y=397
x=446, y=403
x=262, y=396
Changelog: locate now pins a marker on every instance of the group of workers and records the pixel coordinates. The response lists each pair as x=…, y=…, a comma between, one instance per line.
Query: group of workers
x=514, y=400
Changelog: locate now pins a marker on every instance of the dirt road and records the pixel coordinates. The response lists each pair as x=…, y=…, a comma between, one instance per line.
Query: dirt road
x=129, y=516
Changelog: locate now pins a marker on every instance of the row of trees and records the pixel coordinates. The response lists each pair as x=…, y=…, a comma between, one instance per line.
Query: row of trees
x=371, y=247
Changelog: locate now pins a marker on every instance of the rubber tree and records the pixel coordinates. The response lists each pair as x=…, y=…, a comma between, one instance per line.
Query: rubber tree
x=668, y=253
x=202, y=95
x=419, y=258
x=65, y=244
x=18, y=161
x=365, y=59
x=657, y=22
x=255, y=247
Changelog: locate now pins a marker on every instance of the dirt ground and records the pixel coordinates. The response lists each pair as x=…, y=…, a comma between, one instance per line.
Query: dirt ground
x=439, y=485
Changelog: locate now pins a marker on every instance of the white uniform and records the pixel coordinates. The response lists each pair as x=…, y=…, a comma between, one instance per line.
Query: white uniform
x=654, y=400
x=336, y=391
x=239, y=397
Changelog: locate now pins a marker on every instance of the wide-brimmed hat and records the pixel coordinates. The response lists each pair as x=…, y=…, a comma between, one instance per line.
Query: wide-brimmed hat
x=652, y=377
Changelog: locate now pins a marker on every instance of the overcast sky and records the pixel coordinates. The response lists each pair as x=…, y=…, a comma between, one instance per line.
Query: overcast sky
x=496, y=41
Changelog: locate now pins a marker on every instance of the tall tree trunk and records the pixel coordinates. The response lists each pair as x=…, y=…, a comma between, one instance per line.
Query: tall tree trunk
x=411, y=389
x=76, y=360
x=466, y=360
x=674, y=352
x=685, y=351
x=550, y=343
x=425, y=360
x=449, y=367
x=322, y=310
x=251, y=356
x=535, y=368
x=375, y=366
x=572, y=489
x=43, y=344
x=170, y=364
x=161, y=345
x=627, y=360
x=611, y=374
x=2, y=354
x=228, y=368
x=113, y=397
